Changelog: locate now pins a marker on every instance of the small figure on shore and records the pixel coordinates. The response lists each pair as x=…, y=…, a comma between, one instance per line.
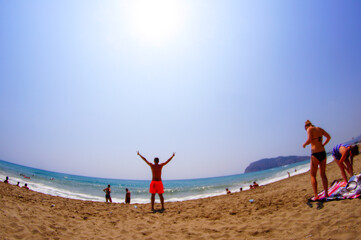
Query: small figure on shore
x=156, y=186
x=255, y=185
x=26, y=186
x=18, y=184
x=228, y=192
x=318, y=155
x=107, y=194
x=250, y=186
x=343, y=154
x=6, y=179
x=240, y=189
x=289, y=175
x=127, y=196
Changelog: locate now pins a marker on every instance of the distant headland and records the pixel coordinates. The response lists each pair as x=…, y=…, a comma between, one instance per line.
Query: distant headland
x=268, y=163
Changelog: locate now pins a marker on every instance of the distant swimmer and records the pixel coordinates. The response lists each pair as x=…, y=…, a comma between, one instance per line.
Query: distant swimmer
x=107, y=194
x=26, y=186
x=343, y=155
x=6, y=179
x=318, y=155
x=156, y=186
x=127, y=196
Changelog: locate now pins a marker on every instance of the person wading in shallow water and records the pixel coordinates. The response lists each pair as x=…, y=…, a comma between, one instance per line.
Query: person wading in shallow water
x=107, y=194
x=156, y=186
x=318, y=155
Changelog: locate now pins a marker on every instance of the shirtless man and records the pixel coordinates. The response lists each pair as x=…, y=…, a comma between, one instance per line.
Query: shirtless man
x=107, y=194
x=343, y=154
x=156, y=186
x=318, y=155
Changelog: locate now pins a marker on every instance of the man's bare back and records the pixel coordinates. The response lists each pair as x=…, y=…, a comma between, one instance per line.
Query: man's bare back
x=156, y=172
x=156, y=167
x=156, y=186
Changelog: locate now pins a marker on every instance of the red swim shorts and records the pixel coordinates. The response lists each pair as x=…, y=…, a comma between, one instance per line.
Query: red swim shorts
x=156, y=187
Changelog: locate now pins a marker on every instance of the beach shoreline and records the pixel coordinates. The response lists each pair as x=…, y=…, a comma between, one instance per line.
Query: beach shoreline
x=89, y=188
x=278, y=211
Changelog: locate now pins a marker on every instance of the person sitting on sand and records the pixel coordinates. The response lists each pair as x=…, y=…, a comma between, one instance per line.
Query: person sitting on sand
x=18, y=184
x=255, y=184
x=343, y=154
x=127, y=196
x=156, y=186
x=6, y=179
x=26, y=186
x=318, y=155
x=250, y=186
x=228, y=192
x=107, y=194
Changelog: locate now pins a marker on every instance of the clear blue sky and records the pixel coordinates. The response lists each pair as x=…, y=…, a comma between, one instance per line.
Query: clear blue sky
x=85, y=84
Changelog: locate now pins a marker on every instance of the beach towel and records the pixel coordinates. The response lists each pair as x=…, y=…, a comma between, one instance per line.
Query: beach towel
x=342, y=190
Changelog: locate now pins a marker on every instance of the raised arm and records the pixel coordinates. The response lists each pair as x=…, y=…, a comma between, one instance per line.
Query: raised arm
x=145, y=160
x=166, y=162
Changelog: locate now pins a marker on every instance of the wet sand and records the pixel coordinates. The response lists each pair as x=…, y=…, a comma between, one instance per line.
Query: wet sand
x=279, y=211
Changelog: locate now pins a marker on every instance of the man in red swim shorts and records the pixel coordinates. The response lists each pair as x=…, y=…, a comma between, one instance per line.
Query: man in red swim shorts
x=156, y=186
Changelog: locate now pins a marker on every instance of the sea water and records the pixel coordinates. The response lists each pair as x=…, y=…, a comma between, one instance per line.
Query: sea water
x=91, y=188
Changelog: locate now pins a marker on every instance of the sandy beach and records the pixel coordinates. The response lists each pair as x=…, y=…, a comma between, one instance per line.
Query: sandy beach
x=279, y=211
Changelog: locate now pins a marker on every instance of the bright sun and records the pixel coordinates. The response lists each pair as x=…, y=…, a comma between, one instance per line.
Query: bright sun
x=156, y=21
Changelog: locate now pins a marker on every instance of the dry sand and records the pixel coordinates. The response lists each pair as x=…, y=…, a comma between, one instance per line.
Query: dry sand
x=279, y=211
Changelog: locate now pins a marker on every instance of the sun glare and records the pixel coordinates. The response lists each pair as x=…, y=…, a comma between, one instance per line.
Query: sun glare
x=156, y=21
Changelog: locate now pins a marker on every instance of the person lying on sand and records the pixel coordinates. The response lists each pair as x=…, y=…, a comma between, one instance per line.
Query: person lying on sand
x=343, y=154
x=107, y=194
x=156, y=186
x=318, y=155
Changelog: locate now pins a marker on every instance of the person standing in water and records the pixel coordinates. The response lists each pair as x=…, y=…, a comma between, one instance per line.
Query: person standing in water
x=156, y=186
x=127, y=196
x=107, y=194
x=318, y=155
